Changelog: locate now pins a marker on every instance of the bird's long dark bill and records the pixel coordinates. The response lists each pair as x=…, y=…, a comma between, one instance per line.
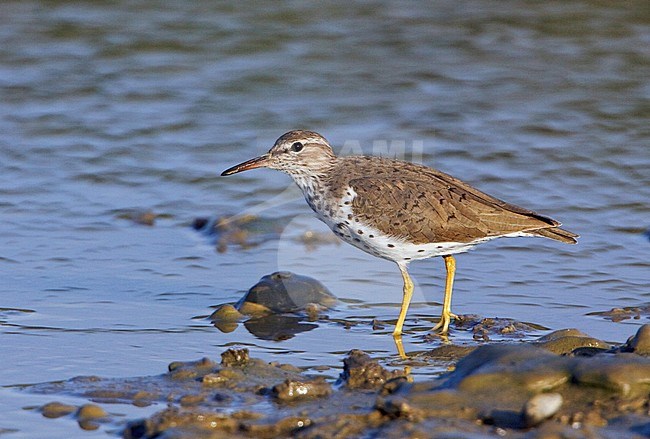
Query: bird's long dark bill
x=257, y=162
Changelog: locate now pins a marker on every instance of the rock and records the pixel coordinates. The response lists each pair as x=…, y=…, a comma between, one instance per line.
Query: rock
x=362, y=372
x=234, y=357
x=490, y=367
x=245, y=231
x=91, y=411
x=293, y=390
x=226, y=314
x=396, y=408
x=567, y=341
x=541, y=407
x=191, y=400
x=57, y=409
x=620, y=314
x=89, y=416
x=142, y=217
x=283, y=292
x=626, y=374
x=640, y=342
x=569, y=344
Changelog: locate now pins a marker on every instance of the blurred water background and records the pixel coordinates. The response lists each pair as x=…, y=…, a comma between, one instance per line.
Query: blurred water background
x=108, y=109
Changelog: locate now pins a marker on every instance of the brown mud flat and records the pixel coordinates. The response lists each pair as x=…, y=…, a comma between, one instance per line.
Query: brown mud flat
x=565, y=384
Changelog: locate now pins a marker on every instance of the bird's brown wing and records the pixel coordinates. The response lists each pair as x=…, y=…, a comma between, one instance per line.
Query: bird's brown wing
x=438, y=209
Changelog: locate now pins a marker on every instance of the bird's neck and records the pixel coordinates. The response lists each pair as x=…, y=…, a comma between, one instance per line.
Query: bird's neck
x=310, y=183
x=316, y=177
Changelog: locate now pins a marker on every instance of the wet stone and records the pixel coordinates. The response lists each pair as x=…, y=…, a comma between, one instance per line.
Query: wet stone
x=490, y=366
x=234, y=357
x=541, y=407
x=141, y=217
x=396, y=408
x=362, y=372
x=283, y=292
x=640, y=342
x=90, y=416
x=191, y=400
x=243, y=231
x=91, y=411
x=294, y=390
x=226, y=313
x=626, y=374
x=57, y=409
x=568, y=341
x=620, y=314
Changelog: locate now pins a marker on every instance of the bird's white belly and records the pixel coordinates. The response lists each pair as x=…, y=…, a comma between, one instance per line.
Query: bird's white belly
x=340, y=218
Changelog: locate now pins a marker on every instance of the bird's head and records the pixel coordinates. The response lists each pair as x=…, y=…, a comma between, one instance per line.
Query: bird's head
x=296, y=153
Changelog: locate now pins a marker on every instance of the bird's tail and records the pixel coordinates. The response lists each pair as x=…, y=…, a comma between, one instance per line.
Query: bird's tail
x=557, y=234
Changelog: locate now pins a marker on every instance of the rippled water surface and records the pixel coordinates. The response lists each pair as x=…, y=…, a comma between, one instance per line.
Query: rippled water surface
x=113, y=108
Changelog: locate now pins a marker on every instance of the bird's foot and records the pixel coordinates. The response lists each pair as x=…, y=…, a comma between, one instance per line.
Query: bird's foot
x=445, y=319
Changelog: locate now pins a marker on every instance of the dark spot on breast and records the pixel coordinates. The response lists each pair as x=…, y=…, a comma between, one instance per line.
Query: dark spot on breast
x=360, y=232
x=438, y=246
x=347, y=203
x=340, y=225
x=371, y=236
x=421, y=250
x=349, y=216
x=391, y=245
x=357, y=240
x=407, y=259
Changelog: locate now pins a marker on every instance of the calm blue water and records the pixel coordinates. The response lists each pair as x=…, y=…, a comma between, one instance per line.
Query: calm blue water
x=135, y=106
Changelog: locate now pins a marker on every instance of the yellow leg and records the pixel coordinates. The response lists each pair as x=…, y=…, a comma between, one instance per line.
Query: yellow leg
x=399, y=346
x=406, y=300
x=447, y=315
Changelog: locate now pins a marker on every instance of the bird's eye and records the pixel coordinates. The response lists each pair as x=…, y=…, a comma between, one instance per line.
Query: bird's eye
x=297, y=147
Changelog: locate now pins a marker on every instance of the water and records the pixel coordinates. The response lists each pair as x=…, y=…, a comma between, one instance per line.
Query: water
x=134, y=106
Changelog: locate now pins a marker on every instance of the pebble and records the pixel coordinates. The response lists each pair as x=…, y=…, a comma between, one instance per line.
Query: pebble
x=57, y=409
x=540, y=407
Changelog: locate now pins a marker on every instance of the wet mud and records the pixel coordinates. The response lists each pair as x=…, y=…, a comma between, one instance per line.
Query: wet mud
x=564, y=384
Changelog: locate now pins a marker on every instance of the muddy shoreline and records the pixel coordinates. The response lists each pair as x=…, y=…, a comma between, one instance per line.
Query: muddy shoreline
x=564, y=384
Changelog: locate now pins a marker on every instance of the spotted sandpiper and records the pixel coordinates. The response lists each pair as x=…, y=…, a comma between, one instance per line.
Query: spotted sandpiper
x=398, y=210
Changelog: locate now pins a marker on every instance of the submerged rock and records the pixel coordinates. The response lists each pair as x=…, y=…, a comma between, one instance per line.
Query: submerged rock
x=362, y=372
x=264, y=306
x=283, y=292
x=245, y=231
x=626, y=313
x=57, y=409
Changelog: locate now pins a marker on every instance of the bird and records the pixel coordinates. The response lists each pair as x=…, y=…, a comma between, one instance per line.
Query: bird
x=398, y=210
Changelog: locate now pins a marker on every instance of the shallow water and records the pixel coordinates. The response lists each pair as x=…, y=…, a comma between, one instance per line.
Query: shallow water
x=137, y=106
